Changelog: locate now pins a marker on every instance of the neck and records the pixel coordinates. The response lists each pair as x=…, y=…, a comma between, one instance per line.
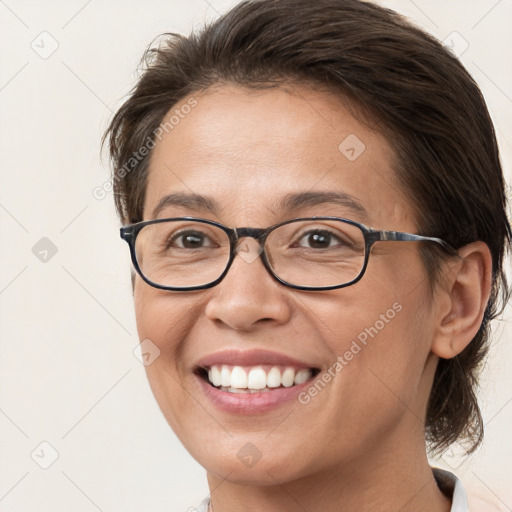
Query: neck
x=386, y=481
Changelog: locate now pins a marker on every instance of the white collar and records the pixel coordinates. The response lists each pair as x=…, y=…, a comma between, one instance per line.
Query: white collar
x=452, y=487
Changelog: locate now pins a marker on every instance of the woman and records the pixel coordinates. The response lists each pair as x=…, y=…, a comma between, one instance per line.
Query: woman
x=315, y=208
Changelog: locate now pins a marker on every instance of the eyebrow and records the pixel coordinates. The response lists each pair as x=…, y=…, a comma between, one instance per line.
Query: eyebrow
x=301, y=200
x=288, y=203
x=196, y=202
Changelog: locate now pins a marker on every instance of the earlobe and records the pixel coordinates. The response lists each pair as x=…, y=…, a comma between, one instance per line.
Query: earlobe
x=465, y=293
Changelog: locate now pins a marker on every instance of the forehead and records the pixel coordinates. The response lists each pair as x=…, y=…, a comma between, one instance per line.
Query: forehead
x=246, y=150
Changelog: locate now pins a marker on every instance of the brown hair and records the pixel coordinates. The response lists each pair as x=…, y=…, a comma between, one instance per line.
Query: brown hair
x=423, y=99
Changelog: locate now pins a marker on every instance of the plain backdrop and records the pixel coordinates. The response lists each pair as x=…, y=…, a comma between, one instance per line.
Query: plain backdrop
x=79, y=427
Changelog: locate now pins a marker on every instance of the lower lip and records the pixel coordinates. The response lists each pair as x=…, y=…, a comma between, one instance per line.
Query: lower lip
x=250, y=403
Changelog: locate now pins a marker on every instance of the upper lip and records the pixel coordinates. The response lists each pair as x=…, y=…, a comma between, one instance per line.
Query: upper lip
x=252, y=357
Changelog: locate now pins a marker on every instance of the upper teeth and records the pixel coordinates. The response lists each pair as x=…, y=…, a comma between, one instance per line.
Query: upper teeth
x=256, y=377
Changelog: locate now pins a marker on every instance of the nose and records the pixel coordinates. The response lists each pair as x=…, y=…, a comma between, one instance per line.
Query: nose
x=248, y=296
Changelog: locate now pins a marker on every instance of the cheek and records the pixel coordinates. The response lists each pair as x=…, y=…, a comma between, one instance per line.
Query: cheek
x=396, y=327
x=380, y=335
x=162, y=316
x=163, y=323
x=377, y=327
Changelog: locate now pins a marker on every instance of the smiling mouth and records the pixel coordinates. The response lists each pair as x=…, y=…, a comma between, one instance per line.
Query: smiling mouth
x=254, y=379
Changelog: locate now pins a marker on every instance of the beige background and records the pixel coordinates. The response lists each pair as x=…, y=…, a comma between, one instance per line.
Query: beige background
x=68, y=374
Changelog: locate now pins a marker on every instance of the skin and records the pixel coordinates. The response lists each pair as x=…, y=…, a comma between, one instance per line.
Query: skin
x=359, y=444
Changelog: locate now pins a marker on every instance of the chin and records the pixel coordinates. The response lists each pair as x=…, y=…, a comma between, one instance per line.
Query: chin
x=243, y=462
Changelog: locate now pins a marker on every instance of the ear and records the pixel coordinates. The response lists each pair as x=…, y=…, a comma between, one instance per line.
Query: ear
x=462, y=299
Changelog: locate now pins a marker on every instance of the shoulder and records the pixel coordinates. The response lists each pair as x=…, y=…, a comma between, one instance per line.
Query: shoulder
x=467, y=499
x=202, y=507
x=479, y=503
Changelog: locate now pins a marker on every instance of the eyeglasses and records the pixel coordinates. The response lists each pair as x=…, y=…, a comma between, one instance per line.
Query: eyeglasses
x=313, y=253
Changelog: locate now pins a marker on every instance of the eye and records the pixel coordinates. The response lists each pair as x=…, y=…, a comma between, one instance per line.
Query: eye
x=320, y=239
x=189, y=240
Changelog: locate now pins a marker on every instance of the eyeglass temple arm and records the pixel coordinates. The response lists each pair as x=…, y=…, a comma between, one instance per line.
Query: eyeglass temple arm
x=398, y=236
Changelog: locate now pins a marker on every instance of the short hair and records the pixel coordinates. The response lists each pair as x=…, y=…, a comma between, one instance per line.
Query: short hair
x=417, y=93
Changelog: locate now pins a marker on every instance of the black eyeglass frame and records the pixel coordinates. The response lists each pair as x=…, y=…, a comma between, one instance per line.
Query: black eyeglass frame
x=129, y=234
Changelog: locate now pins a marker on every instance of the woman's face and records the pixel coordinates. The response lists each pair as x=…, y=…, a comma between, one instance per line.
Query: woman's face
x=246, y=151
